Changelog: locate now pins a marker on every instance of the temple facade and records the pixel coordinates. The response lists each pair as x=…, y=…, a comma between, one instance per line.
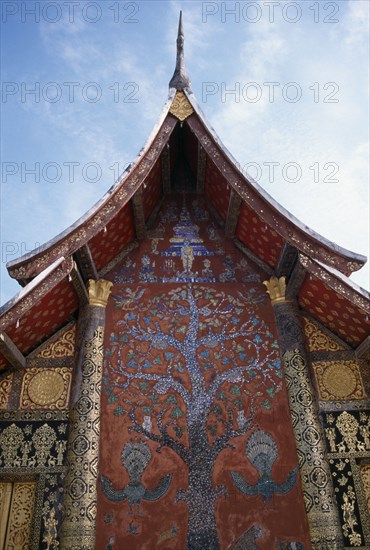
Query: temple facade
x=185, y=367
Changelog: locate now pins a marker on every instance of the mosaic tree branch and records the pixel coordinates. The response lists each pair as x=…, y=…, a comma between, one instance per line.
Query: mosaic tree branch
x=164, y=439
x=162, y=386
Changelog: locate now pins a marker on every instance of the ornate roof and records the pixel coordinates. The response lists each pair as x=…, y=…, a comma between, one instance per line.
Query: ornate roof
x=182, y=153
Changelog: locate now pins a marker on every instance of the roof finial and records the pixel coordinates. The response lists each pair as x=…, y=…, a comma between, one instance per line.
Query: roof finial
x=180, y=79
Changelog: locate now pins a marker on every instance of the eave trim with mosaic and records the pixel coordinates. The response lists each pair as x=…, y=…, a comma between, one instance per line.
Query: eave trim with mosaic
x=354, y=298
x=13, y=310
x=268, y=209
x=98, y=217
x=334, y=279
x=279, y=219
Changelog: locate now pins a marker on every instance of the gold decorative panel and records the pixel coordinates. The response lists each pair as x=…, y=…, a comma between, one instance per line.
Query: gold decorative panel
x=63, y=346
x=181, y=107
x=318, y=340
x=5, y=388
x=44, y=388
x=16, y=510
x=338, y=380
x=365, y=474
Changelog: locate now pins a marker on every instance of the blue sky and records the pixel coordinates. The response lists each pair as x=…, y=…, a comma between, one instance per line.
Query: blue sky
x=284, y=84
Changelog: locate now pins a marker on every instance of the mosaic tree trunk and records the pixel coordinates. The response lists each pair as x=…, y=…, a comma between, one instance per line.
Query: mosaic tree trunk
x=190, y=367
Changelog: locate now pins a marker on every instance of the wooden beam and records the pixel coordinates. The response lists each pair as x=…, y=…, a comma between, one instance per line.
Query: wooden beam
x=153, y=216
x=215, y=215
x=79, y=285
x=255, y=259
x=85, y=263
x=166, y=169
x=201, y=169
x=287, y=260
x=11, y=352
x=363, y=350
x=139, y=217
x=233, y=212
x=295, y=281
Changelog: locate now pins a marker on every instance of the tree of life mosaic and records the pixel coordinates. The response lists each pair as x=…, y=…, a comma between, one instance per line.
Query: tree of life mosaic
x=190, y=358
x=191, y=382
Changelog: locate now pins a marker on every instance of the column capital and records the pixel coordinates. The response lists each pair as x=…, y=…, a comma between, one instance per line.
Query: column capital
x=276, y=288
x=99, y=292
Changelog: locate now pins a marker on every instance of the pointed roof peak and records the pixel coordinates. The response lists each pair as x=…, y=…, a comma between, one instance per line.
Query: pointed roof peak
x=180, y=79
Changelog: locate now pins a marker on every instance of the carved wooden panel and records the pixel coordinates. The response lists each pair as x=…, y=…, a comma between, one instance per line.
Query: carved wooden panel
x=17, y=502
x=6, y=490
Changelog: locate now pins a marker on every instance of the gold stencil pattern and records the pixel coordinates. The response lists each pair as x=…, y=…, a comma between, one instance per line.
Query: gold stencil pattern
x=338, y=380
x=350, y=524
x=318, y=340
x=50, y=534
x=46, y=388
x=315, y=472
x=5, y=389
x=181, y=107
x=82, y=456
x=63, y=346
x=365, y=475
x=17, y=502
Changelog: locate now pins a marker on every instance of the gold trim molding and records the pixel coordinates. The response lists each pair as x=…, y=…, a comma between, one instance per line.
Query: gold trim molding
x=276, y=289
x=99, y=292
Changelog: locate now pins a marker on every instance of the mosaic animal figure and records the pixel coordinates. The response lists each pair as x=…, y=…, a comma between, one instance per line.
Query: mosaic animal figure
x=135, y=457
x=130, y=297
x=262, y=451
x=247, y=541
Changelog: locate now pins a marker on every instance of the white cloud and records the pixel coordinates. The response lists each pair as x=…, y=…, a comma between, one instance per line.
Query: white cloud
x=357, y=23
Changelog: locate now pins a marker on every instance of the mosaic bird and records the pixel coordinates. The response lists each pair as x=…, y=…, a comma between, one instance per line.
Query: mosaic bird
x=130, y=297
x=262, y=451
x=135, y=457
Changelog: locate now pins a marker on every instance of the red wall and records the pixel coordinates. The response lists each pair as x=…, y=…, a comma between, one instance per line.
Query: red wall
x=193, y=391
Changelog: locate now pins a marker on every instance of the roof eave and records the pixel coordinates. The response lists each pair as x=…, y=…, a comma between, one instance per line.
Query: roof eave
x=17, y=266
x=354, y=260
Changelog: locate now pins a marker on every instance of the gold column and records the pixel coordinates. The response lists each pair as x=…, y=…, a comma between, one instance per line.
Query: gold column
x=325, y=531
x=78, y=530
